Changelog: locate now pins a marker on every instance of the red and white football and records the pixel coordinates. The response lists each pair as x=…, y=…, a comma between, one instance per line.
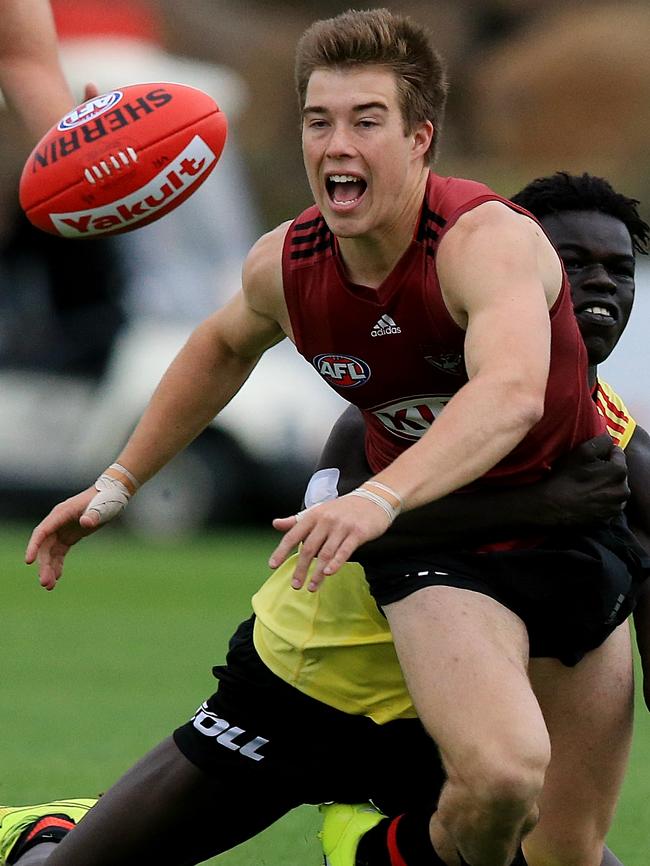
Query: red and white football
x=122, y=160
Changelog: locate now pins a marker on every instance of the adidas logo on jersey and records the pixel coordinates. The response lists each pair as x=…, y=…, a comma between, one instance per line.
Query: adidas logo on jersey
x=384, y=326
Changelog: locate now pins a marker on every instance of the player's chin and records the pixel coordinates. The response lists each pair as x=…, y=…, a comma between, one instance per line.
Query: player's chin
x=599, y=345
x=347, y=223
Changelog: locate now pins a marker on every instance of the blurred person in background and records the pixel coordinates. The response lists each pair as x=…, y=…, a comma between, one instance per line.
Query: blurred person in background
x=31, y=77
x=40, y=294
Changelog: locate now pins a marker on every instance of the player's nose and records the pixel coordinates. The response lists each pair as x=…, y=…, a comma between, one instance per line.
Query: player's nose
x=340, y=142
x=597, y=278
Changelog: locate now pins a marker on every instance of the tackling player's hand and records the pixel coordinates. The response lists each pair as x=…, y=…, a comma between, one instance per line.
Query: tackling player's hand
x=329, y=533
x=587, y=486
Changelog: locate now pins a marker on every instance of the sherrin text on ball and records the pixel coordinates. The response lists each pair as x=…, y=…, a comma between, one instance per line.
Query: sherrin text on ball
x=122, y=160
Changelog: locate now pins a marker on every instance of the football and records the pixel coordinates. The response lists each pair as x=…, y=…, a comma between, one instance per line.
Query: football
x=122, y=160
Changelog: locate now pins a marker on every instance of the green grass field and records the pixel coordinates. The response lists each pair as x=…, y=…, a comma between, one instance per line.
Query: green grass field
x=98, y=671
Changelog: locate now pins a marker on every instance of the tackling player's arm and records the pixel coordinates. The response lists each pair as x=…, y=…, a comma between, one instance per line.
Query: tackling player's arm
x=638, y=514
x=587, y=486
x=205, y=375
x=499, y=275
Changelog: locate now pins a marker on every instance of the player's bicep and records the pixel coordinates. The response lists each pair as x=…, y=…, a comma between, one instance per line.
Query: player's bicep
x=508, y=336
x=490, y=274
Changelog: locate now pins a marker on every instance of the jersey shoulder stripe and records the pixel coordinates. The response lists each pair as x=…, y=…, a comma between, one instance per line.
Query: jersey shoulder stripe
x=620, y=424
x=310, y=238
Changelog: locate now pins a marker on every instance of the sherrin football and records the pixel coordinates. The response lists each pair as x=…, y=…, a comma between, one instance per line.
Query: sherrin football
x=122, y=160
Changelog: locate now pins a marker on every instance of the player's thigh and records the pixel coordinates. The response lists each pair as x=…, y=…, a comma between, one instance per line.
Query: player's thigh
x=588, y=712
x=464, y=657
x=167, y=812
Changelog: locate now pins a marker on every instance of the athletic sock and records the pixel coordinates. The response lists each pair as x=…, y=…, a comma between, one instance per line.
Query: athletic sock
x=51, y=828
x=405, y=841
x=401, y=841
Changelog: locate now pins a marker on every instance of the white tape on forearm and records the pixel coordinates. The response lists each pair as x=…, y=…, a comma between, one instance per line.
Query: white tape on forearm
x=111, y=498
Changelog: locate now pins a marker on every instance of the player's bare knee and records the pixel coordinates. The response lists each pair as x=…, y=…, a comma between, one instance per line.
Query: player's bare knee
x=504, y=786
x=510, y=795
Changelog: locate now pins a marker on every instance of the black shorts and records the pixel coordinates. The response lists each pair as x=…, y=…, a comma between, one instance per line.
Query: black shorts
x=571, y=592
x=258, y=730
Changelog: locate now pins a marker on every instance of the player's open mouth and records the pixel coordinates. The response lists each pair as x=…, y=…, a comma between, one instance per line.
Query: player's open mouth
x=601, y=314
x=345, y=190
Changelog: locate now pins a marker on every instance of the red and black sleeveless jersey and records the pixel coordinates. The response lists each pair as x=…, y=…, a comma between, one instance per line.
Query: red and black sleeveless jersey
x=396, y=353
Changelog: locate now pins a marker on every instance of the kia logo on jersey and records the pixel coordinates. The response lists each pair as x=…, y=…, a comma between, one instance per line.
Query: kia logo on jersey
x=411, y=418
x=342, y=371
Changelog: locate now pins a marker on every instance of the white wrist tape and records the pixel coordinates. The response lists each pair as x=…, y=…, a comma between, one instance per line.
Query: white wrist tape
x=387, y=507
x=112, y=495
x=390, y=491
x=124, y=471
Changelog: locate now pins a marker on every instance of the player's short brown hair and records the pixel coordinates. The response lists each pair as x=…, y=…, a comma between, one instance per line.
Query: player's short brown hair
x=380, y=38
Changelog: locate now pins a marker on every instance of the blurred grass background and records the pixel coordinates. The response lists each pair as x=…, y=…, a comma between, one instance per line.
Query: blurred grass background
x=100, y=670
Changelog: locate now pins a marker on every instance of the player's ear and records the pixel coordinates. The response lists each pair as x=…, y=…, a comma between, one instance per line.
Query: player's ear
x=422, y=136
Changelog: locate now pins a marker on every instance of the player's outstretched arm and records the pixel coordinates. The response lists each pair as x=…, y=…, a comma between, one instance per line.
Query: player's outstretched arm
x=205, y=375
x=213, y=365
x=638, y=513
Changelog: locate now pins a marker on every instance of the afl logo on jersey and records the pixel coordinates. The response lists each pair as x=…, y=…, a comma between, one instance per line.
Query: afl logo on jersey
x=342, y=371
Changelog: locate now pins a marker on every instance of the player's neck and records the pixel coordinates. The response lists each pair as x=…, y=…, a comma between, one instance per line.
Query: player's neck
x=370, y=258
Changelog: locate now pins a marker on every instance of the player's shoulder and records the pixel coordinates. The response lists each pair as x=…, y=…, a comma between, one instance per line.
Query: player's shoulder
x=491, y=214
x=620, y=424
x=490, y=229
x=610, y=400
x=267, y=250
x=263, y=265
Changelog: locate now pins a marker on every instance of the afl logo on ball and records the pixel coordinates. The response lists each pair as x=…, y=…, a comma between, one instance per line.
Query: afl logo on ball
x=342, y=371
x=89, y=110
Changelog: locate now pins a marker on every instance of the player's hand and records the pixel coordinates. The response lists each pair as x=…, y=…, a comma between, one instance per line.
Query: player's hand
x=69, y=522
x=54, y=536
x=589, y=485
x=329, y=533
